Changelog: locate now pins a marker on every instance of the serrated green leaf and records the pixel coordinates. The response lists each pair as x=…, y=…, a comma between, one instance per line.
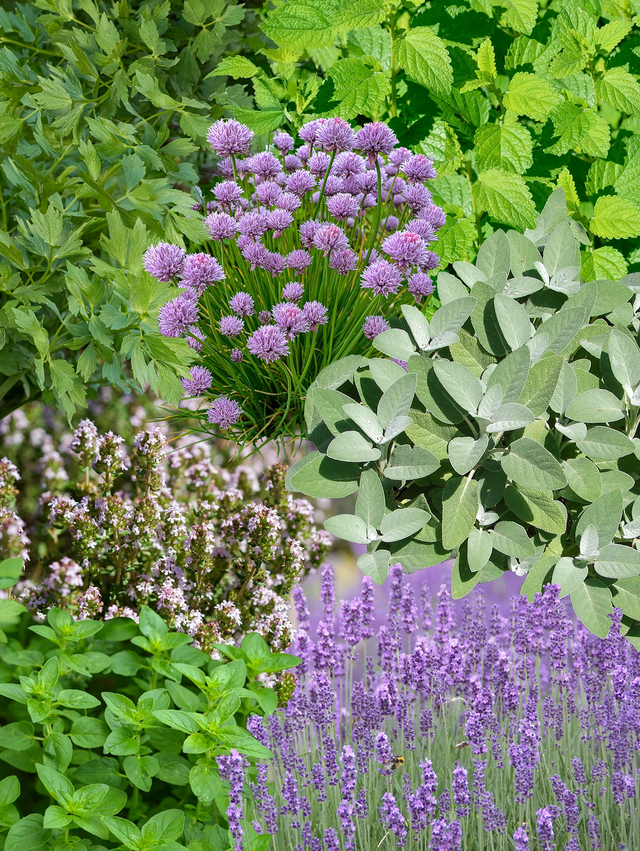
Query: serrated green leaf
x=615, y=218
x=520, y=15
x=235, y=66
x=580, y=129
x=507, y=147
x=353, y=88
x=506, y=197
x=619, y=89
x=425, y=59
x=531, y=95
x=460, y=504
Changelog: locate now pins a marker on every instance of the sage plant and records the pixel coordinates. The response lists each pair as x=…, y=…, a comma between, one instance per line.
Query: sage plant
x=312, y=249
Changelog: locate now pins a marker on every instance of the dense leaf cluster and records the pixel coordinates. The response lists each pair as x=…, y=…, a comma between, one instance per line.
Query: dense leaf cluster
x=510, y=98
x=102, y=108
x=509, y=440
x=104, y=720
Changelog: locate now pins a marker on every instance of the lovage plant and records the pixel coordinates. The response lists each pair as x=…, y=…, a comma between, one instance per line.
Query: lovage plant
x=504, y=435
x=311, y=250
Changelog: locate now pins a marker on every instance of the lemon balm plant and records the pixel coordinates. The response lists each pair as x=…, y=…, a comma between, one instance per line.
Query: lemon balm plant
x=504, y=435
x=311, y=248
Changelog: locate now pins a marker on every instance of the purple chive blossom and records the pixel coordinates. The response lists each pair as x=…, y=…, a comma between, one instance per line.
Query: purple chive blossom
x=220, y=226
x=315, y=314
x=431, y=261
x=231, y=326
x=293, y=291
x=264, y=317
x=287, y=201
x=308, y=231
x=343, y=206
x=423, y=228
x=264, y=165
x=236, y=356
x=228, y=138
x=283, y=142
x=390, y=223
x=275, y=263
x=195, y=338
x=268, y=193
x=406, y=248
x=375, y=138
x=333, y=186
x=418, y=168
x=434, y=215
x=225, y=168
x=278, y=221
x=227, y=192
x=399, y=156
x=299, y=260
x=292, y=163
x=253, y=224
x=200, y=381
x=255, y=254
x=336, y=135
x=416, y=197
x=304, y=153
x=348, y=164
x=419, y=285
x=164, y=261
x=290, y=319
x=176, y=316
x=224, y=412
x=268, y=343
x=318, y=163
x=374, y=325
x=242, y=304
x=382, y=277
x=300, y=182
x=309, y=133
x=330, y=238
x=200, y=271
x=343, y=261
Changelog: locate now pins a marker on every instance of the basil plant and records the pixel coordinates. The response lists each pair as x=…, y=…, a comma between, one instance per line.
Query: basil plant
x=501, y=432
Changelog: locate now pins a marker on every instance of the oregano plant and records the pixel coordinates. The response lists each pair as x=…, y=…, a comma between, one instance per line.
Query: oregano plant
x=501, y=432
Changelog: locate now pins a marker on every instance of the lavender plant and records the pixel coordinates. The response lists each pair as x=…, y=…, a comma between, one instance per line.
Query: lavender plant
x=520, y=733
x=502, y=433
x=214, y=552
x=312, y=247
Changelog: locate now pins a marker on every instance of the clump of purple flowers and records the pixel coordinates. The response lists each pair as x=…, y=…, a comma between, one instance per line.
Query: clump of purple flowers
x=523, y=732
x=346, y=214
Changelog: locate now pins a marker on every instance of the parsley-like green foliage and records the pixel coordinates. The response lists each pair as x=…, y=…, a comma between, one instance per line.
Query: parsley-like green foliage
x=102, y=108
x=509, y=441
x=105, y=720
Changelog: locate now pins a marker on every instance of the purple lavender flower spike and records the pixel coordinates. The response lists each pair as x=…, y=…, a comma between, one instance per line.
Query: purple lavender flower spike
x=382, y=277
x=200, y=381
x=336, y=135
x=375, y=138
x=268, y=343
x=242, y=304
x=374, y=325
x=283, y=141
x=343, y=206
x=224, y=412
x=330, y=238
x=521, y=839
x=544, y=826
x=228, y=138
x=315, y=314
x=290, y=319
x=299, y=260
x=293, y=291
x=393, y=819
x=164, y=261
x=343, y=261
x=231, y=326
x=200, y=271
x=176, y=316
x=220, y=226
